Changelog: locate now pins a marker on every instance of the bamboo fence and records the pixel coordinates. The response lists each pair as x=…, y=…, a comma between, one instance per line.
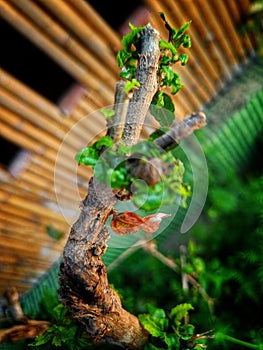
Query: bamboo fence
x=75, y=36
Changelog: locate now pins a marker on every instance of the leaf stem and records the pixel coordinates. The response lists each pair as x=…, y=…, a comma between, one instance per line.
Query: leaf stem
x=239, y=342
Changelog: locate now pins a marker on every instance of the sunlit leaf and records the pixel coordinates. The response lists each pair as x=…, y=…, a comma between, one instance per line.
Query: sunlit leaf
x=129, y=222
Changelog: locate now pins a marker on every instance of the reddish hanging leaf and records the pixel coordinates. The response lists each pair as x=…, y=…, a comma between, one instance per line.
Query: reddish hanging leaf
x=129, y=222
x=152, y=222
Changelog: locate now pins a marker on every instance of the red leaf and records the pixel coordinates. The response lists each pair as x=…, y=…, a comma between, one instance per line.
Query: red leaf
x=129, y=222
x=152, y=222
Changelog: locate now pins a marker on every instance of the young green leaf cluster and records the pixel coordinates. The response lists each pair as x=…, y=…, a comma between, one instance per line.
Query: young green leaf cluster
x=115, y=168
x=128, y=58
x=168, y=330
x=64, y=332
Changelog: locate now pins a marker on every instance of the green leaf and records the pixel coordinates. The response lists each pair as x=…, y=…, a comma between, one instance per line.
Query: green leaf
x=186, y=331
x=183, y=58
x=149, y=198
x=182, y=29
x=43, y=339
x=59, y=313
x=162, y=109
x=54, y=233
x=130, y=85
x=131, y=38
x=151, y=326
x=155, y=322
x=149, y=346
x=172, y=341
x=90, y=155
x=103, y=172
x=87, y=156
x=156, y=312
x=187, y=41
x=123, y=57
x=108, y=113
x=105, y=141
x=179, y=312
x=171, y=79
x=120, y=178
x=163, y=44
x=172, y=31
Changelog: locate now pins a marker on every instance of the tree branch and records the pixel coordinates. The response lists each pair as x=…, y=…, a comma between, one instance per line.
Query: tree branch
x=24, y=327
x=84, y=288
x=181, y=130
x=147, y=77
x=116, y=123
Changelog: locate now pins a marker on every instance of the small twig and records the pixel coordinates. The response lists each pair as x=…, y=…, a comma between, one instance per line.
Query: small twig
x=151, y=248
x=12, y=297
x=32, y=329
x=25, y=328
x=185, y=285
x=125, y=255
x=184, y=277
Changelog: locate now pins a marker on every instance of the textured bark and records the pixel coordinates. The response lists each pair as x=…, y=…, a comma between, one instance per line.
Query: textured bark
x=181, y=130
x=84, y=288
x=147, y=77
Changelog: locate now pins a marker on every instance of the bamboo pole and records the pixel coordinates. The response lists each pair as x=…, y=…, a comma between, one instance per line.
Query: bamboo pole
x=24, y=142
x=216, y=29
x=38, y=102
x=80, y=28
x=37, y=168
x=9, y=101
x=236, y=16
x=29, y=140
x=228, y=29
x=60, y=56
x=23, y=277
x=44, y=187
x=52, y=141
x=42, y=165
x=28, y=239
x=29, y=129
x=66, y=41
x=6, y=281
x=11, y=260
x=17, y=245
x=35, y=208
x=209, y=41
x=23, y=213
x=96, y=22
x=12, y=189
x=23, y=225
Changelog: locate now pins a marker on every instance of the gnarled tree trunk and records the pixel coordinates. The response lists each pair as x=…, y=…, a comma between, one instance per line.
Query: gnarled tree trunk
x=84, y=288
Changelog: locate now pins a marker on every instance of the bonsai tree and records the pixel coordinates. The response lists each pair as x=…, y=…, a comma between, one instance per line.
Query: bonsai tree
x=118, y=159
